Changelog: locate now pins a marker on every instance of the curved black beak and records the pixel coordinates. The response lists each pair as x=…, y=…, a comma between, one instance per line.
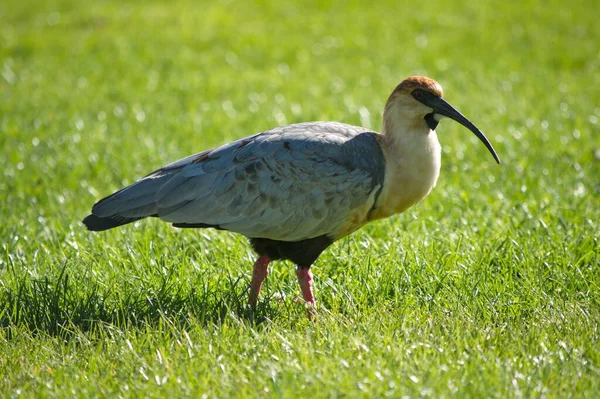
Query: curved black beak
x=441, y=107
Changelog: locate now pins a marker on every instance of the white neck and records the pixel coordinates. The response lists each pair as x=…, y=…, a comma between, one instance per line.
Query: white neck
x=412, y=153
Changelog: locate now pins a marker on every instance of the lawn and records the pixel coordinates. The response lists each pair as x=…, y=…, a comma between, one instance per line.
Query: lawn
x=490, y=287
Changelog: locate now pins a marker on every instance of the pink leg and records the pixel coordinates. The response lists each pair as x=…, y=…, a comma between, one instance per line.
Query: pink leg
x=261, y=269
x=306, y=282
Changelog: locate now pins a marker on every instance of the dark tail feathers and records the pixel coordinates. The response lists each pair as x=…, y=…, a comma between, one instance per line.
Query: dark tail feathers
x=96, y=223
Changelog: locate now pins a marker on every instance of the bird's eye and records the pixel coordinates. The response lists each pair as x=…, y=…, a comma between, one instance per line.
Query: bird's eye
x=417, y=94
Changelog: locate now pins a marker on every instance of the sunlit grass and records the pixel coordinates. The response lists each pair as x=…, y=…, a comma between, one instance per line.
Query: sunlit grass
x=488, y=288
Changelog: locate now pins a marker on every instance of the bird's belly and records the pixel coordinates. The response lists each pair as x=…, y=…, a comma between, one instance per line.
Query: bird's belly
x=397, y=200
x=396, y=205
x=407, y=187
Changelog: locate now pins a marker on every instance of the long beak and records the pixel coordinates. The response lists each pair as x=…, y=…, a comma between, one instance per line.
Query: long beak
x=440, y=106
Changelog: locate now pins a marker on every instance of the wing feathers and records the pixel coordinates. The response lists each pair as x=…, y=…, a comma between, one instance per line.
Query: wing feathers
x=137, y=195
x=291, y=183
x=182, y=188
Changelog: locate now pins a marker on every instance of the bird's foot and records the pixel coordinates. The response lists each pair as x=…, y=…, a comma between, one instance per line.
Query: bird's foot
x=305, y=280
x=260, y=272
x=311, y=308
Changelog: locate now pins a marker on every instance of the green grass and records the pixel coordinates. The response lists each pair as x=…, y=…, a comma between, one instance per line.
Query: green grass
x=488, y=288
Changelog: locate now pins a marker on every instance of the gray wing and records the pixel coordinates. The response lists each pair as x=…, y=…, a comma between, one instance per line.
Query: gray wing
x=290, y=183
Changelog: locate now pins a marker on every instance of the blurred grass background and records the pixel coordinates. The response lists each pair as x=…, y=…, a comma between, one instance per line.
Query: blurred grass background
x=488, y=288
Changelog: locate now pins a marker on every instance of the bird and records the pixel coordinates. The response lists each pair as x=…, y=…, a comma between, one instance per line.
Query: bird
x=294, y=190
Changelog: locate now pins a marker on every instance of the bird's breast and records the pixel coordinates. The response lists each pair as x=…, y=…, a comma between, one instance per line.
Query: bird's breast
x=356, y=218
x=412, y=170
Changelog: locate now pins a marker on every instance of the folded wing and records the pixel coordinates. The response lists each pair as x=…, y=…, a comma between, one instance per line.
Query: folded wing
x=290, y=183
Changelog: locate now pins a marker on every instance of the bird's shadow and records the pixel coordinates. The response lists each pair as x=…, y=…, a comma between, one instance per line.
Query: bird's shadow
x=57, y=306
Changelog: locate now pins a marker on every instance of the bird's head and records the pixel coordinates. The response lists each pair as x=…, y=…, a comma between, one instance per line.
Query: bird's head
x=417, y=101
